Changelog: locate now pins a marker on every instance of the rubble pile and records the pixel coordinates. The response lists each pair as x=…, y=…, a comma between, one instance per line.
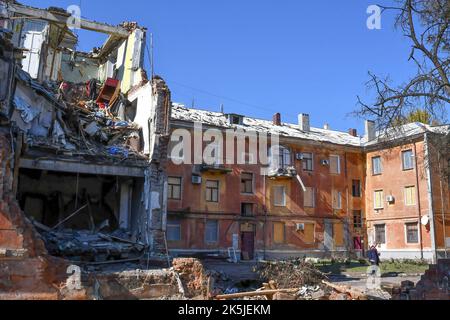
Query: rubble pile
x=72, y=119
x=290, y=274
x=196, y=282
x=86, y=246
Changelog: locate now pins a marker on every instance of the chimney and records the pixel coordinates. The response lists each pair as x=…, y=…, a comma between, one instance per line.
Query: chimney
x=353, y=132
x=277, y=119
x=370, y=130
x=303, y=122
x=326, y=126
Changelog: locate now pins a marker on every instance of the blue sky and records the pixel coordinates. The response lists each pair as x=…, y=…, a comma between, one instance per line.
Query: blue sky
x=258, y=57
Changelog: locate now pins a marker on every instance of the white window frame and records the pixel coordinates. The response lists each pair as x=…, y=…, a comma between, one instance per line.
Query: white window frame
x=373, y=166
x=406, y=196
x=375, y=200
x=284, y=197
x=338, y=164
x=403, y=160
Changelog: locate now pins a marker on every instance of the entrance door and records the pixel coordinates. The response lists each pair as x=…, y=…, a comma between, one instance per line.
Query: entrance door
x=248, y=246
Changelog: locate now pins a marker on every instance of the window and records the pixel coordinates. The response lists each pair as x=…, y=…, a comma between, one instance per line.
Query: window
x=335, y=165
x=356, y=188
x=338, y=234
x=378, y=202
x=235, y=119
x=357, y=219
x=309, y=198
x=278, y=232
x=412, y=232
x=212, y=191
x=309, y=233
x=376, y=166
x=279, y=196
x=285, y=158
x=173, y=230
x=308, y=162
x=174, y=184
x=247, y=183
x=380, y=234
x=408, y=160
x=410, y=196
x=337, y=200
x=211, y=231
x=247, y=209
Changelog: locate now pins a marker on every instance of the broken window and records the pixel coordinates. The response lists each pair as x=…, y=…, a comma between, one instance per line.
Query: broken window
x=173, y=230
x=279, y=196
x=278, y=232
x=356, y=188
x=410, y=196
x=407, y=160
x=376, y=166
x=247, y=209
x=247, y=183
x=335, y=165
x=378, y=202
x=412, y=232
x=380, y=234
x=174, y=188
x=212, y=191
x=212, y=231
x=357, y=219
x=309, y=198
x=308, y=162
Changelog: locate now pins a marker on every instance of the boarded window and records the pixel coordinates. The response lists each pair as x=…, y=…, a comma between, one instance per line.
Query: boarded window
x=309, y=233
x=247, y=183
x=173, y=230
x=278, y=232
x=308, y=162
x=356, y=188
x=309, y=198
x=357, y=219
x=212, y=191
x=338, y=234
x=376, y=166
x=174, y=188
x=378, y=202
x=412, y=233
x=211, y=231
x=410, y=196
x=408, y=160
x=337, y=200
x=247, y=209
x=335, y=165
x=380, y=234
x=279, y=196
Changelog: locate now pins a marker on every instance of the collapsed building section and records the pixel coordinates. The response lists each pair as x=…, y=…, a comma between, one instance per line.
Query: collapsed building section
x=87, y=133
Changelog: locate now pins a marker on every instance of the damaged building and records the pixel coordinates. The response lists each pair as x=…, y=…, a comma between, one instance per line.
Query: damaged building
x=87, y=133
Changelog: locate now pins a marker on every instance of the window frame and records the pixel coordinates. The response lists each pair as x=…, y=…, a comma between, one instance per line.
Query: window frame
x=375, y=199
x=244, y=181
x=359, y=194
x=358, y=214
x=170, y=188
x=384, y=233
x=373, y=166
x=252, y=213
x=313, y=194
x=217, y=232
x=284, y=204
x=209, y=191
x=413, y=197
x=171, y=224
x=338, y=195
x=338, y=157
x=403, y=160
x=307, y=161
x=416, y=225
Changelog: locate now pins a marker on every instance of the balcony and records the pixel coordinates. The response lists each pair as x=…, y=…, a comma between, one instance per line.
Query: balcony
x=215, y=168
x=283, y=173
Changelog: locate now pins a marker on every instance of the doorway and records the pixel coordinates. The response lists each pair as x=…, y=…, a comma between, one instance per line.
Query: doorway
x=248, y=245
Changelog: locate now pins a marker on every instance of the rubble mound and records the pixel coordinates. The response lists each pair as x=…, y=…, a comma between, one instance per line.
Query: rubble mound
x=290, y=273
x=193, y=276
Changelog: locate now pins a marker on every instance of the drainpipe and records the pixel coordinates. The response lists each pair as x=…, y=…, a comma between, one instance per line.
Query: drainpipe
x=419, y=207
x=430, y=200
x=442, y=206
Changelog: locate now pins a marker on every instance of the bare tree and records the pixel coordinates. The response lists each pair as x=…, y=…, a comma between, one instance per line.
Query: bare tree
x=426, y=24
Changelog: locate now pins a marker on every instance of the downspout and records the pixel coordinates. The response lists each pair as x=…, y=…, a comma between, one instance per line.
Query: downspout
x=419, y=207
x=442, y=207
x=430, y=200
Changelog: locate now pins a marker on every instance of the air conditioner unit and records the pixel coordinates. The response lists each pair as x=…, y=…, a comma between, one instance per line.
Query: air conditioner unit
x=300, y=226
x=196, y=179
x=390, y=199
x=299, y=156
x=325, y=162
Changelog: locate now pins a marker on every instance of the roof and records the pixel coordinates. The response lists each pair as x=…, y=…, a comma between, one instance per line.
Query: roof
x=217, y=119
